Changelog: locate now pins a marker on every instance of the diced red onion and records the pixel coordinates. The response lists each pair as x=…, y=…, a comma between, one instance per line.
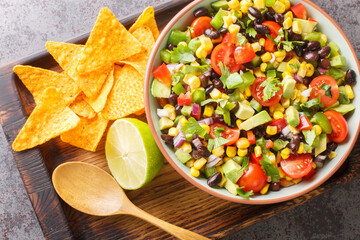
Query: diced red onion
x=285, y=131
x=197, y=143
x=196, y=109
x=162, y=112
x=179, y=126
x=179, y=139
x=206, y=121
x=321, y=70
x=173, y=67
x=298, y=78
x=212, y=161
x=187, y=87
x=208, y=61
x=306, y=93
x=272, y=60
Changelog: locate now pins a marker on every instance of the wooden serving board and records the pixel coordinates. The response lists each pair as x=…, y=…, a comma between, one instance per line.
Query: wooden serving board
x=168, y=196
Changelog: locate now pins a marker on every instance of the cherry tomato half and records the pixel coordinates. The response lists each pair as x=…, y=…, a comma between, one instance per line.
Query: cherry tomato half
x=257, y=93
x=255, y=159
x=230, y=38
x=199, y=25
x=231, y=134
x=244, y=53
x=224, y=52
x=339, y=126
x=279, y=123
x=297, y=166
x=253, y=178
x=269, y=45
x=319, y=92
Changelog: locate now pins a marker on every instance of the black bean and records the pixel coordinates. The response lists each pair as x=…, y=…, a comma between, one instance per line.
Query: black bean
x=236, y=108
x=254, y=12
x=178, y=109
x=306, y=80
x=249, y=65
x=196, y=154
x=211, y=33
x=301, y=137
x=251, y=148
x=207, y=74
x=259, y=20
x=275, y=186
x=294, y=143
x=299, y=51
x=259, y=132
x=167, y=139
x=223, y=30
x=204, y=152
x=325, y=64
x=170, y=47
x=217, y=83
x=173, y=99
x=204, y=80
x=279, y=18
x=218, y=118
x=262, y=29
x=209, y=88
x=214, y=74
x=228, y=91
x=350, y=77
x=233, y=119
x=313, y=45
x=215, y=179
x=261, y=52
x=295, y=37
x=331, y=146
x=311, y=56
x=269, y=16
x=201, y=12
x=324, y=51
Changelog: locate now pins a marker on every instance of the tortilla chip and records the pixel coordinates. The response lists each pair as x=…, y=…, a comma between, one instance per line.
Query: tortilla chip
x=82, y=108
x=36, y=80
x=50, y=118
x=109, y=42
x=87, y=134
x=139, y=62
x=126, y=97
x=145, y=37
x=97, y=103
x=146, y=18
x=67, y=55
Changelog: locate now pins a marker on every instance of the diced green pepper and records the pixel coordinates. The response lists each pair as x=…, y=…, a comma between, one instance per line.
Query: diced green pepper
x=338, y=61
x=279, y=144
x=336, y=73
x=178, y=88
x=198, y=96
x=343, y=97
x=334, y=48
x=271, y=73
x=186, y=110
x=321, y=119
x=314, y=36
x=255, y=105
x=210, y=171
x=194, y=44
x=218, y=21
x=177, y=36
x=256, y=61
x=182, y=156
x=220, y=4
x=165, y=55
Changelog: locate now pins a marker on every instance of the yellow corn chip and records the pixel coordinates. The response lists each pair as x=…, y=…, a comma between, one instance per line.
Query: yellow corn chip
x=145, y=37
x=87, y=134
x=67, y=56
x=146, y=18
x=36, y=80
x=50, y=118
x=97, y=103
x=126, y=97
x=139, y=62
x=82, y=108
x=109, y=42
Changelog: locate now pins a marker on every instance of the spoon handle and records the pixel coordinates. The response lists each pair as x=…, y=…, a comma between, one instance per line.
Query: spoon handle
x=176, y=231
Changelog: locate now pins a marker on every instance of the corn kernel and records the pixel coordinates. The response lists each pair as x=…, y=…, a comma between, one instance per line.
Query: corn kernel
x=190, y=163
x=238, y=122
x=272, y=158
x=201, y=52
x=234, y=4
x=194, y=64
x=243, y=143
x=234, y=29
x=296, y=27
x=265, y=189
x=288, y=23
x=287, y=4
x=248, y=91
x=349, y=91
x=285, y=102
x=314, y=165
x=297, y=180
x=279, y=55
x=263, y=67
x=208, y=111
x=227, y=21
x=281, y=173
x=323, y=37
x=259, y=4
x=262, y=41
x=287, y=73
x=256, y=46
x=194, y=172
x=242, y=152
x=301, y=86
x=215, y=94
x=205, y=127
x=288, y=178
x=199, y=163
x=182, y=43
x=332, y=155
x=294, y=94
x=171, y=111
x=257, y=151
x=302, y=70
x=279, y=7
x=285, y=153
x=276, y=107
x=266, y=57
x=244, y=9
x=303, y=99
x=317, y=129
x=309, y=69
x=293, y=130
x=291, y=66
x=186, y=147
x=223, y=179
x=278, y=115
x=258, y=73
x=271, y=130
x=183, y=121
x=289, y=14
x=275, y=63
x=221, y=162
x=218, y=151
x=224, y=96
x=225, y=159
x=173, y=131
x=231, y=151
x=301, y=148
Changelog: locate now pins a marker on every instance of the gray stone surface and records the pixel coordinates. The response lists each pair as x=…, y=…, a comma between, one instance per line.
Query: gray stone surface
x=25, y=26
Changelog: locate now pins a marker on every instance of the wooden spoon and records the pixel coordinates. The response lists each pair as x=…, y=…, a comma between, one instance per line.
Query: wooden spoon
x=93, y=191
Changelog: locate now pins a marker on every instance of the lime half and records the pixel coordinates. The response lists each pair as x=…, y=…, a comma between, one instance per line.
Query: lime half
x=132, y=154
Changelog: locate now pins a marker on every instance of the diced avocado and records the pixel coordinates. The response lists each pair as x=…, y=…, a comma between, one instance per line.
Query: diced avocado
x=271, y=73
x=332, y=106
x=321, y=145
x=186, y=110
x=314, y=36
x=288, y=87
x=279, y=144
x=194, y=44
x=245, y=111
x=218, y=21
x=182, y=156
x=178, y=89
x=282, y=67
x=231, y=187
x=220, y=4
x=165, y=123
x=343, y=97
x=269, y=3
x=335, y=73
x=232, y=170
x=308, y=148
x=159, y=89
x=255, y=105
x=321, y=119
x=256, y=120
x=256, y=61
x=334, y=48
x=178, y=117
x=210, y=171
x=310, y=137
x=292, y=116
x=165, y=55
x=269, y=66
x=189, y=137
x=198, y=96
x=344, y=108
x=338, y=61
x=306, y=25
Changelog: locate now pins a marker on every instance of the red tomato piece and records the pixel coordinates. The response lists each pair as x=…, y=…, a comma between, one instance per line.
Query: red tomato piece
x=231, y=134
x=310, y=174
x=230, y=38
x=163, y=74
x=270, y=46
x=312, y=20
x=184, y=99
x=253, y=178
x=274, y=28
x=339, y=126
x=257, y=93
x=297, y=166
x=251, y=137
x=279, y=123
x=244, y=53
x=299, y=11
x=269, y=144
x=304, y=124
x=224, y=53
x=199, y=25
x=255, y=159
x=319, y=92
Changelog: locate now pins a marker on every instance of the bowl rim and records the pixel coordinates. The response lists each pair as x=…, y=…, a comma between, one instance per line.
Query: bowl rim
x=214, y=192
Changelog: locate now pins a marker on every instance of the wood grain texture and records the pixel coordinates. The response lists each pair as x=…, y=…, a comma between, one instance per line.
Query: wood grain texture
x=168, y=197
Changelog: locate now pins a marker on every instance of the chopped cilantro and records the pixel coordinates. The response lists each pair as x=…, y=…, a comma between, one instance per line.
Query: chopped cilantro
x=194, y=69
x=225, y=111
x=251, y=31
x=182, y=54
x=176, y=78
x=192, y=126
x=287, y=45
x=225, y=72
x=271, y=86
x=327, y=89
x=216, y=142
x=222, y=102
x=245, y=163
x=245, y=194
x=269, y=169
x=218, y=131
x=235, y=80
x=241, y=39
x=191, y=29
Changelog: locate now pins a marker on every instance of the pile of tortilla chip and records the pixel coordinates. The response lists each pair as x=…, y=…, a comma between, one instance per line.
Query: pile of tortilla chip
x=101, y=81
